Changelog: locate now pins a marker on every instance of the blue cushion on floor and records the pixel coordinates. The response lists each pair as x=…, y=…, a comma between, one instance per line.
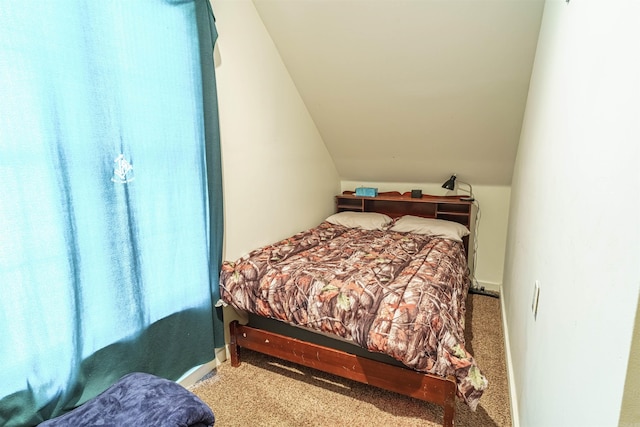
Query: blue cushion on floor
x=139, y=399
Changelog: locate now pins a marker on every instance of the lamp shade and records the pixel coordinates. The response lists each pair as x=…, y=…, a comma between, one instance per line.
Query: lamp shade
x=450, y=184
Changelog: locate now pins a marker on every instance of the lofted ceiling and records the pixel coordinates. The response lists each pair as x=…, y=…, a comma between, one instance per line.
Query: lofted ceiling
x=411, y=90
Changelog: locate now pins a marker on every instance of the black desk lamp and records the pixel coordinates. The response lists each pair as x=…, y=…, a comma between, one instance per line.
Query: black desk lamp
x=475, y=288
x=450, y=184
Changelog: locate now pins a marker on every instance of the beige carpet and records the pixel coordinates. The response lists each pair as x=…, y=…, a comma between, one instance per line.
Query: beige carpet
x=264, y=391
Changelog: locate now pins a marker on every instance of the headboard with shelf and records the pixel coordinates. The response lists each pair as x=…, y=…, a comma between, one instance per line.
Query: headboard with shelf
x=396, y=204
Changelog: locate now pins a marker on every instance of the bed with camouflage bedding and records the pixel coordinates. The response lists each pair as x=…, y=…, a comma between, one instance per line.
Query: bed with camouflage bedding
x=401, y=294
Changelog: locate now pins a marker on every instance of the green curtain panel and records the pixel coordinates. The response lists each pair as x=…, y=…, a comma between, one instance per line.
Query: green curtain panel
x=110, y=197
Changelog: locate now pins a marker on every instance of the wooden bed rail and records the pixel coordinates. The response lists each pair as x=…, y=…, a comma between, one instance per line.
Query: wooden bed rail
x=425, y=387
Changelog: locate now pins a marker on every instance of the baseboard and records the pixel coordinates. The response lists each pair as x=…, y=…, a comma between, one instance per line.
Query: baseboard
x=513, y=395
x=197, y=373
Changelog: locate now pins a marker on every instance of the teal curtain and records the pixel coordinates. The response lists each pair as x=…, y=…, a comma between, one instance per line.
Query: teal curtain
x=111, y=200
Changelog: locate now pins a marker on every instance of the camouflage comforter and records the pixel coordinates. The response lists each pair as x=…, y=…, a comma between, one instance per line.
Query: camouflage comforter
x=401, y=294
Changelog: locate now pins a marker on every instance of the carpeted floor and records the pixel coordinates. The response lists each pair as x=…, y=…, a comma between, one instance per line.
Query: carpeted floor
x=264, y=391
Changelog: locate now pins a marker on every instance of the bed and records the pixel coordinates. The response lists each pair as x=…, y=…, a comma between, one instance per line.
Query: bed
x=382, y=285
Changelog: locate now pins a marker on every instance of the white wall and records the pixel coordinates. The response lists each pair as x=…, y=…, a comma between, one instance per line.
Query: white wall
x=573, y=222
x=492, y=229
x=278, y=176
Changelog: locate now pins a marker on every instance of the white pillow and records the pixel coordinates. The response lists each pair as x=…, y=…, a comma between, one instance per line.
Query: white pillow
x=364, y=220
x=435, y=227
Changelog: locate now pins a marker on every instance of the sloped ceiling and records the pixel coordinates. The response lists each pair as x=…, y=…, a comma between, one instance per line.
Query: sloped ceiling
x=411, y=90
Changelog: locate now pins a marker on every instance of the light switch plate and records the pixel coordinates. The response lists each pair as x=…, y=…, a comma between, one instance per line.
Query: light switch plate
x=536, y=297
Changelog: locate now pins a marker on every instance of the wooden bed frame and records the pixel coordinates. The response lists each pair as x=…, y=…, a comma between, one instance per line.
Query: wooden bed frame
x=367, y=370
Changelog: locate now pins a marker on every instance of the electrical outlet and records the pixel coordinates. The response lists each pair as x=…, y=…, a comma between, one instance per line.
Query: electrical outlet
x=536, y=297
